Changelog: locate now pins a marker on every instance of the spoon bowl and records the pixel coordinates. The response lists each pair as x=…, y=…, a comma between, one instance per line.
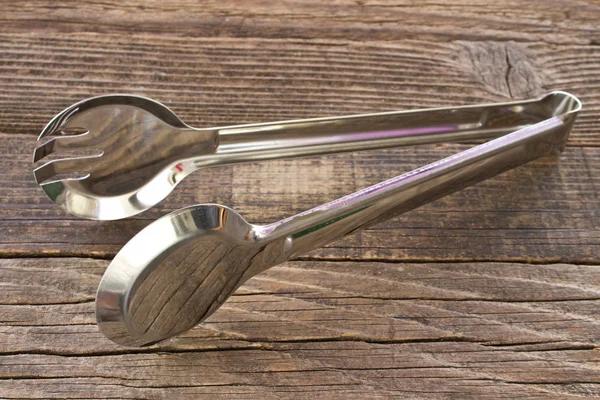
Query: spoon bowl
x=176, y=272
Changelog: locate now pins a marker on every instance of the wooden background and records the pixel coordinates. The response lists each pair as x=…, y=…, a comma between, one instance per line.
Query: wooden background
x=493, y=292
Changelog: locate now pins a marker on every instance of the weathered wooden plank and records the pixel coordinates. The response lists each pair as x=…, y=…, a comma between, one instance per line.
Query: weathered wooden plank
x=315, y=329
x=326, y=370
x=556, y=22
x=493, y=303
x=334, y=329
x=220, y=81
x=546, y=211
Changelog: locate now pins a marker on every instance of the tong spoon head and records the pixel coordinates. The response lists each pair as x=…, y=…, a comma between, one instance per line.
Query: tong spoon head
x=120, y=162
x=176, y=272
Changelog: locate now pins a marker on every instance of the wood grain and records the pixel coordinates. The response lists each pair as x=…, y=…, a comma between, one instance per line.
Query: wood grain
x=222, y=81
x=491, y=293
x=347, y=328
x=556, y=22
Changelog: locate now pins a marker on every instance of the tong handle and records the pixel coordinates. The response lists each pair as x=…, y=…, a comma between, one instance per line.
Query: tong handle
x=320, y=136
x=329, y=222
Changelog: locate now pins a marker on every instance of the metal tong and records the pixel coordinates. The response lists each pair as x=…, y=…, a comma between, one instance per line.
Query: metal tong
x=112, y=157
x=182, y=267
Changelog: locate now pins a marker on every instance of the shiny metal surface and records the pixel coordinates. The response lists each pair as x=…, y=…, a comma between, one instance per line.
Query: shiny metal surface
x=130, y=152
x=182, y=267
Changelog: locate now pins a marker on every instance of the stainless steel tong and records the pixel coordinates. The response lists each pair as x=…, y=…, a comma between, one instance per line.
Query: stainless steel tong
x=182, y=267
x=115, y=156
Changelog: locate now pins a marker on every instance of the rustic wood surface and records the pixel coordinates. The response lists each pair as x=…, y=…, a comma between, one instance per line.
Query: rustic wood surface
x=493, y=292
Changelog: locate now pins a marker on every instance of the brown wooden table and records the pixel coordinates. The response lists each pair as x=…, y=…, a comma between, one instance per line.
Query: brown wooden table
x=493, y=292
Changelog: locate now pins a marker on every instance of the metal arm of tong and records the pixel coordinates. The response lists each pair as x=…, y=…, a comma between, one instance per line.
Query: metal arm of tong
x=182, y=267
x=132, y=151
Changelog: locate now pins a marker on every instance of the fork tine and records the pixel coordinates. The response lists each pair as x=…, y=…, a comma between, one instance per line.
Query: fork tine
x=44, y=172
x=61, y=166
x=60, y=143
x=43, y=150
x=53, y=127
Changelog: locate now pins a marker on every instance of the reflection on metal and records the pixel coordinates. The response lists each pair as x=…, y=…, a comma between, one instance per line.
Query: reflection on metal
x=182, y=267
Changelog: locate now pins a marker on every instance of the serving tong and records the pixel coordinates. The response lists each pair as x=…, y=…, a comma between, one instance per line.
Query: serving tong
x=179, y=269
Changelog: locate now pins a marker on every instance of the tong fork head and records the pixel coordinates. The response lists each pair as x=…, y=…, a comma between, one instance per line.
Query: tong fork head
x=91, y=155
